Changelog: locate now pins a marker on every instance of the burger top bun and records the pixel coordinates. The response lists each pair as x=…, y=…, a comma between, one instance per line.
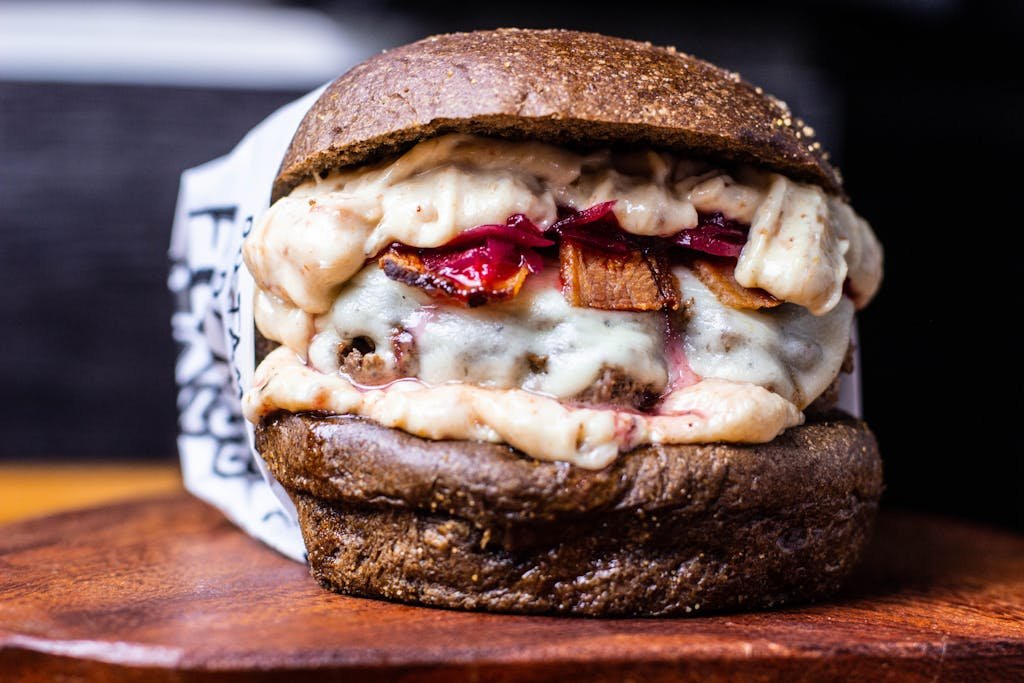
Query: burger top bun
x=562, y=87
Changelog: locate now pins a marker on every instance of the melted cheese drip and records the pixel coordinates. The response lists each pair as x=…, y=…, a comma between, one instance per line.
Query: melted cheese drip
x=793, y=250
x=802, y=243
x=711, y=410
x=786, y=350
x=863, y=254
x=475, y=380
x=492, y=346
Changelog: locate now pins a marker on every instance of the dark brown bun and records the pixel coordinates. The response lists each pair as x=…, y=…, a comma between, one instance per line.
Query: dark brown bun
x=563, y=87
x=663, y=530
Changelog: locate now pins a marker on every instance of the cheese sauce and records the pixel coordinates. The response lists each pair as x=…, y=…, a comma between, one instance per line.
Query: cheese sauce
x=540, y=426
x=501, y=372
x=802, y=244
x=536, y=341
x=478, y=377
x=786, y=349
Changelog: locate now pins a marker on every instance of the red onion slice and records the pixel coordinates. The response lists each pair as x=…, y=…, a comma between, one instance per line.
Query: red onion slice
x=592, y=214
x=715, y=235
x=518, y=229
x=602, y=229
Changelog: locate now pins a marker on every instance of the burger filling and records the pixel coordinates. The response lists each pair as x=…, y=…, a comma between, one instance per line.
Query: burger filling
x=573, y=306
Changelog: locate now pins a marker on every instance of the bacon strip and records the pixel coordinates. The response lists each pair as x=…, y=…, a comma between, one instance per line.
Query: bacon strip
x=634, y=281
x=407, y=266
x=717, y=275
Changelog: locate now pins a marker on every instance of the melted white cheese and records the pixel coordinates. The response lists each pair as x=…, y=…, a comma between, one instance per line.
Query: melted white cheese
x=736, y=200
x=711, y=410
x=492, y=346
x=803, y=244
x=786, y=349
x=282, y=323
x=863, y=255
x=476, y=380
x=303, y=249
x=311, y=242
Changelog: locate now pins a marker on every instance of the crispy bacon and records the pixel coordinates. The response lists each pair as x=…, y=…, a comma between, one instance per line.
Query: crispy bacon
x=634, y=281
x=717, y=274
x=433, y=276
x=602, y=266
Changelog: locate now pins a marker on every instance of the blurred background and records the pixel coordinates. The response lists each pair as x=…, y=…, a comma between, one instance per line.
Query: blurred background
x=102, y=105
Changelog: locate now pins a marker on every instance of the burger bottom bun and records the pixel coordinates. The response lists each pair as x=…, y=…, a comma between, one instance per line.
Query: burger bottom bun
x=664, y=530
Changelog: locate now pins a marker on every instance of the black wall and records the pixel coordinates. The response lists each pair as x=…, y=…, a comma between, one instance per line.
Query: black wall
x=933, y=142
x=88, y=183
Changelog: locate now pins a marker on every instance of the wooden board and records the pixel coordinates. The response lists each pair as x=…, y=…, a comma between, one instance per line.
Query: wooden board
x=167, y=589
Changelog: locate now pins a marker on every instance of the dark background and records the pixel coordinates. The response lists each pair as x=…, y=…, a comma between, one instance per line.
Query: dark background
x=920, y=103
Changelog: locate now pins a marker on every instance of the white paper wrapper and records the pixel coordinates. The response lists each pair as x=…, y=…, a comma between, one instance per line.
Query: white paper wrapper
x=213, y=323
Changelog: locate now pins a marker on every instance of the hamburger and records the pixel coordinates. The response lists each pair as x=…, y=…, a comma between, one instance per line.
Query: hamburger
x=554, y=322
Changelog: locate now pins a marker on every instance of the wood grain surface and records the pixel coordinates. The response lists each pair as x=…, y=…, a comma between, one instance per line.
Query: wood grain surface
x=167, y=589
